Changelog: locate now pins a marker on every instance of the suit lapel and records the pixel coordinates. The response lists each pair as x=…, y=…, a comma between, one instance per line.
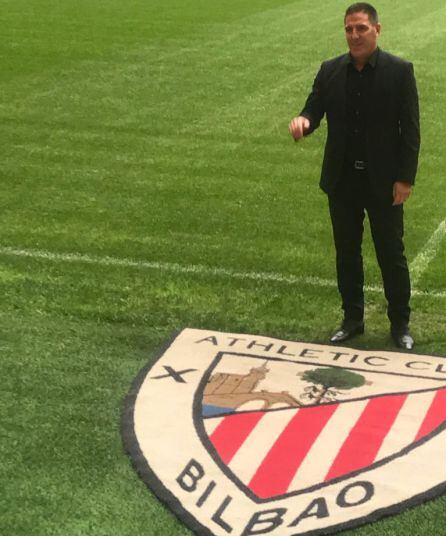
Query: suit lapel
x=340, y=87
x=379, y=83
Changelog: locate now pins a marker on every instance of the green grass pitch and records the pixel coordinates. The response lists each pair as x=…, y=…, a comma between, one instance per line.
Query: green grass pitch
x=157, y=132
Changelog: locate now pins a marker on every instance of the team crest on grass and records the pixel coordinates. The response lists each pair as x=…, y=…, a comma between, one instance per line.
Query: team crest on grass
x=247, y=435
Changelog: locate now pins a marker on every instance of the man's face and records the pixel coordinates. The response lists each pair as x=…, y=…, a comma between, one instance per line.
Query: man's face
x=362, y=35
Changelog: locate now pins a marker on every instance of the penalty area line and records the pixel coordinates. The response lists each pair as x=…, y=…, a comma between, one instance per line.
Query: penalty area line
x=428, y=253
x=198, y=269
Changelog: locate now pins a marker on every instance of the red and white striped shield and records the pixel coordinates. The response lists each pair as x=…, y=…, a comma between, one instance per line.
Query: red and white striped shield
x=248, y=435
x=277, y=452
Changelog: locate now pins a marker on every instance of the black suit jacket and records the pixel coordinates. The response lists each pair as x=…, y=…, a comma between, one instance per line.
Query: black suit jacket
x=392, y=121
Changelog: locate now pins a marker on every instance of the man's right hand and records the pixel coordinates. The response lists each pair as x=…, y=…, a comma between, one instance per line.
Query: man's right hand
x=298, y=126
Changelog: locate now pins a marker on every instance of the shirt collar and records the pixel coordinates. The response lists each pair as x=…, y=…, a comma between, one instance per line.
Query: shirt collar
x=371, y=61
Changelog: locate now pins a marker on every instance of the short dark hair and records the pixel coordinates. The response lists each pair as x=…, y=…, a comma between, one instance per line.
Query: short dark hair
x=364, y=7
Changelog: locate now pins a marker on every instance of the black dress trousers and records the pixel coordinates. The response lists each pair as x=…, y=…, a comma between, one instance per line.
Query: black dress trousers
x=352, y=197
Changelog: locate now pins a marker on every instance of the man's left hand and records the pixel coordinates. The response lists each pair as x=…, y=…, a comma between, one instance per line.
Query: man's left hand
x=401, y=192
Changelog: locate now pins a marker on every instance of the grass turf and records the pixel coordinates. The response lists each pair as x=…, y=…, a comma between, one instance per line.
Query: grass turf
x=160, y=133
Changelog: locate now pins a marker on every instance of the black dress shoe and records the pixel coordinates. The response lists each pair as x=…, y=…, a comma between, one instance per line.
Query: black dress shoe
x=403, y=339
x=348, y=329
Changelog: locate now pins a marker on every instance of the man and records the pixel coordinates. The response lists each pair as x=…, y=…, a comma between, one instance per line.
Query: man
x=370, y=99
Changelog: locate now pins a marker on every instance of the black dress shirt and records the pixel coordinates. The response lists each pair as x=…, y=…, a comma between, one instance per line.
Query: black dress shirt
x=359, y=85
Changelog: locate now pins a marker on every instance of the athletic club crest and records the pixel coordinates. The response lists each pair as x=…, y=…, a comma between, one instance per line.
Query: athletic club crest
x=247, y=435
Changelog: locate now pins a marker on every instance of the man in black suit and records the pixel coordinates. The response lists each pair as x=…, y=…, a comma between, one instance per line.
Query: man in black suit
x=370, y=99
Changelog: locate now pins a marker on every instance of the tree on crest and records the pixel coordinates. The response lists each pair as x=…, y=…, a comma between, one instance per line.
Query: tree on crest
x=327, y=383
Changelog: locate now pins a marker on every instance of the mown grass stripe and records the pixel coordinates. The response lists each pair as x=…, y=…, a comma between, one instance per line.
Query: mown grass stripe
x=199, y=269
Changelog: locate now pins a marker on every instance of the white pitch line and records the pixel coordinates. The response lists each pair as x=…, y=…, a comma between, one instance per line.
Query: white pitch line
x=176, y=268
x=165, y=266
x=428, y=253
